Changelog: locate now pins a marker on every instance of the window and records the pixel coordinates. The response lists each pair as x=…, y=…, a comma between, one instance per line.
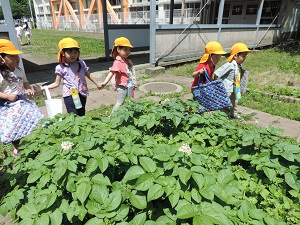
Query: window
x=251, y=9
x=237, y=10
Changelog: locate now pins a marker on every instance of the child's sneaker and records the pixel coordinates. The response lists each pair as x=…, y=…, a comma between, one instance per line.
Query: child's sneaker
x=15, y=153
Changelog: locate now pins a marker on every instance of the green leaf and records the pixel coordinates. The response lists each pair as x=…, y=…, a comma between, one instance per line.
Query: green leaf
x=176, y=120
x=46, y=155
x=174, y=198
x=34, y=176
x=216, y=216
x=195, y=195
x=224, y=176
x=270, y=220
x=207, y=193
x=155, y=192
x=64, y=206
x=243, y=212
x=199, y=179
x=148, y=164
x=138, y=200
x=103, y=164
x=144, y=182
x=42, y=219
x=233, y=156
x=139, y=219
x=290, y=179
x=114, y=200
x=56, y=217
x=164, y=157
x=81, y=160
x=203, y=219
x=100, y=179
x=59, y=170
x=72, y=165
x=27, y=211
x=187, y=211
x=166, y=181
x=258, y=214
x=133, y=173
x=184, y=174
x=91, y=165
x=83, y=190
x=270, y=173
x=99, y=193
x=95, y=221
x=121, y=213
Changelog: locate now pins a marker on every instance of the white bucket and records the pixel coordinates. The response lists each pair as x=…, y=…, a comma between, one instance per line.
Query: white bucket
x=54, y=106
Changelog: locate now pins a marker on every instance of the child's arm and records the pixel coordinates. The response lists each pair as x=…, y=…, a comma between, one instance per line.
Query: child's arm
x=88, y=75
x=9, y=97
x=197, y=73
x=28, y=89
x=107, y=79
x=55, y=84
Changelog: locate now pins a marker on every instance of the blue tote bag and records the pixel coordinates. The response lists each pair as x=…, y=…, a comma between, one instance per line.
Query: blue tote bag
x=211, y=96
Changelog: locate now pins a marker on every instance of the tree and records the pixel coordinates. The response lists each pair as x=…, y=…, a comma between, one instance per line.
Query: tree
x=19, y=9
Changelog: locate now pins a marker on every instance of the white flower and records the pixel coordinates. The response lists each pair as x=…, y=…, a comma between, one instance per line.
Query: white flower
x=185, y=148
x=67, y=145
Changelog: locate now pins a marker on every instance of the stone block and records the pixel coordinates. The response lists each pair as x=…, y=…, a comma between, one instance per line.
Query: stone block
x=155, y=70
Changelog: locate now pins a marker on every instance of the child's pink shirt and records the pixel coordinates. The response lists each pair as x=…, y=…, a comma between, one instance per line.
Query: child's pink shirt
x=120, y=69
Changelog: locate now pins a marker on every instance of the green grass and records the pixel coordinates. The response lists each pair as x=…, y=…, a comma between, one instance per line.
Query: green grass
x=45, y=43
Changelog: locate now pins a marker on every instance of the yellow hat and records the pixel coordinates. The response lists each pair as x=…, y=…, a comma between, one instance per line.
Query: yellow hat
x=8, y=47
x=237, y=48
x=122, y=41
x=66, y=43
x=212, y=47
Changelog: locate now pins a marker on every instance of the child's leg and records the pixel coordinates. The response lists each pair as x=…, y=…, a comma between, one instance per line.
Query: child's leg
x=234, y=104
x=81, y=111
x=69, y=103
x=122, y=93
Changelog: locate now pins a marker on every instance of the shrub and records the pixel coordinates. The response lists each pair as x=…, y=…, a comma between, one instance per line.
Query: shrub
x=153, y=163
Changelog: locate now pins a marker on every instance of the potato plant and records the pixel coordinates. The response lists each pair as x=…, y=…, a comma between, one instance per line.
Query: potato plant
x=150, y=164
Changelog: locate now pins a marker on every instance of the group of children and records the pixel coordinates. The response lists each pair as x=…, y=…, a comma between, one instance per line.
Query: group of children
x=230, y=73
x=19, y=30
x=72, y=72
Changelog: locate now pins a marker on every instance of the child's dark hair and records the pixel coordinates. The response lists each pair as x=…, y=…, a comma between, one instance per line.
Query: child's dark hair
x=4, y=70
x=66, y=64
x=114, y=52
x=26, y=25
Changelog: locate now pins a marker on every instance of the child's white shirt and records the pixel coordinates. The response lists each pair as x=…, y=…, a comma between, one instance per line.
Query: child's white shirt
x=10, y=87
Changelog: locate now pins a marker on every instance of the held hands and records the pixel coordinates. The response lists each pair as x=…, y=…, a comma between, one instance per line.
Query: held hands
x=99, y=85
x=102, y=85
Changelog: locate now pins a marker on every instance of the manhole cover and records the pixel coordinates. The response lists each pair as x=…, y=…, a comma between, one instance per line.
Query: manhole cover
x=160, y=88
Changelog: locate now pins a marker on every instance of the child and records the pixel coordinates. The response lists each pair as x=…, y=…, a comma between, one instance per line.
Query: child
x=73, y=71
x=19, y=31
x=213, y=53
x=230, y=74
x=27, y=32
x=122, y=69
x=14, y=87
